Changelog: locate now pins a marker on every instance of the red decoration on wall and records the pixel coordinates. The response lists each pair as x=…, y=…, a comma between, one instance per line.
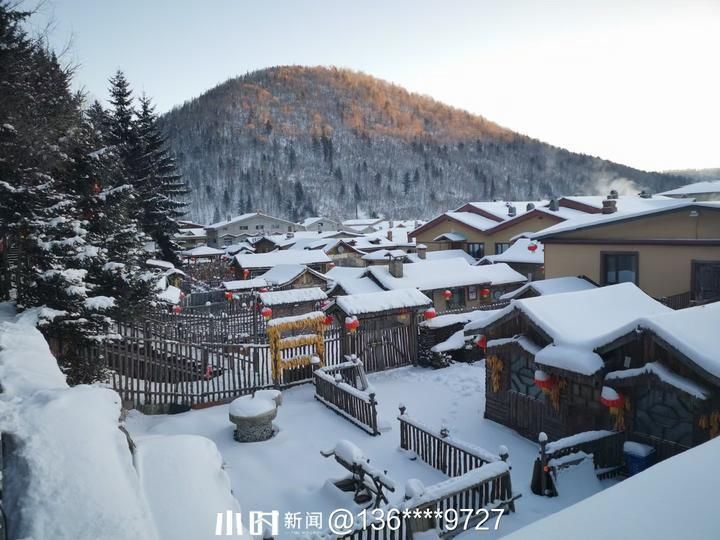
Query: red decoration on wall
x=430, y=313
x=543, y=380
x=328, y=320
x=177, y=309
x=228, y=295
x=532, y=247
x=246, y=273
x=481, y=343
x=266, y=313
x=485, y=292
x=447, y=294
x=351, y=324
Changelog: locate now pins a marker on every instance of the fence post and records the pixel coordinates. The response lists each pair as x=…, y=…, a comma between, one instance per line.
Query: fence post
x=542, y=439
x=373, y=412
x=507, y=492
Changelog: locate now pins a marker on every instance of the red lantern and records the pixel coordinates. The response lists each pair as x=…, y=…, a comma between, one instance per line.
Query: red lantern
x=532, y=247
x=228, y=295
x=481, y=343
x=430, y=313
x=351, y=324
x=177, y=310
x=264, y=289
x=266, y=313
x=447, y=294
x=611, y=398
x=485, y=292
x=246, y=273
x=328, y=320
x=543, y=380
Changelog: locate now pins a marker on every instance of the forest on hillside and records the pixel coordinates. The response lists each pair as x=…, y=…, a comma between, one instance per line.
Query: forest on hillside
x=297, y=141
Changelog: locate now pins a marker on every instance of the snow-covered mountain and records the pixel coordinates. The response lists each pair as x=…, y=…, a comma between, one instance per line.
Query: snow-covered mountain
x=298, y=141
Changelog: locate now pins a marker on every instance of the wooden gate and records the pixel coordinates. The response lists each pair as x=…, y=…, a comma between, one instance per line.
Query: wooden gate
x=384, y=348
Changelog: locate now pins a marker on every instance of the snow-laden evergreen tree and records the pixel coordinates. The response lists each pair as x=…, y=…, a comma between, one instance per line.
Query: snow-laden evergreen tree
x=158, y=184
x=137, y=140
x=65, y=205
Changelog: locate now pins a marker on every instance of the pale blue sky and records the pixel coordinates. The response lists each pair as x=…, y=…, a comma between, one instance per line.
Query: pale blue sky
x=635, y=81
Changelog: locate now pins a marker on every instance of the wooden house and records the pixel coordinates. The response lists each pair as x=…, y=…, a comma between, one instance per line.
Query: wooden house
x=547, y=357
x=452, y=284
x=344, y=253
x=385, y=326
x=672, y=399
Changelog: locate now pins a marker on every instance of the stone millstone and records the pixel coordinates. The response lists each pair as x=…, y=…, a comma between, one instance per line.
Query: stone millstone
x=253, y=418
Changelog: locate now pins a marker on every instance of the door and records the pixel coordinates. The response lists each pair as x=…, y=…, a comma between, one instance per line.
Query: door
x=705, y=281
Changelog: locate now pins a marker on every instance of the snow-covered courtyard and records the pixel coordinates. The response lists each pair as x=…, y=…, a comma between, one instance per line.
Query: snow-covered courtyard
x=287, y=473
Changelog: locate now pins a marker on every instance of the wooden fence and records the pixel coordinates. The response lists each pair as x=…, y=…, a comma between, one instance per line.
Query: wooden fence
x=161, y=363
x=606, y=448
x=485, y=487
x=384, y=348
x=335, y=387
x=439, y=450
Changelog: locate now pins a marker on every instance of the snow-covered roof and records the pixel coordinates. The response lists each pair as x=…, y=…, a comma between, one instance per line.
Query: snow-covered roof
x=500, y=209
x=287, y=256
x=237, y=248
x=346, y=272
x=359, y=304
x=361, y=222
x=664, y=374
x=481, y=223
x=244, y=217
x=283, y=273
x=634, y=508
x=292, y=296
x=518, y=252
x=692, y=331
x=444, y=273
x=245, y=284
x=590, y=220
x=307, y=222
x=361, y=285
x=582, y=321
x=384, y=255
x=160, y=263
x=697, y=188
x=451, y=236
x=442, y=254
x=171, y=295
x=203, y=251
x=551, y=286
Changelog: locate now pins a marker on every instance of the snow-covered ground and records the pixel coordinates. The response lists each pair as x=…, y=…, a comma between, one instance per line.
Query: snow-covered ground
x=288, y=474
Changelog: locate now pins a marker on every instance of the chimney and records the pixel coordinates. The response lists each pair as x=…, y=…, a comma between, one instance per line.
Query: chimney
x=645, y=194
x=396, y=267
x=609, y=206
x=421, y=251
x=530, y=206
x=554, y=205
x=512, y=211
x=389, y=235
x=613, y=194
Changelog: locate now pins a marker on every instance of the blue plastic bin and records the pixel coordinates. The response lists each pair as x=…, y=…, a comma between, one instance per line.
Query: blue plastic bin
x=635, y=464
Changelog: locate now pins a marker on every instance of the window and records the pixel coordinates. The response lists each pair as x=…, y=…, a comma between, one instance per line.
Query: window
x=619, y=268
x=501, y=247
x=275, y=226
x=243, y=227
x=472, y=292
x=476, y=249
x=261, y=226
x=457, y=300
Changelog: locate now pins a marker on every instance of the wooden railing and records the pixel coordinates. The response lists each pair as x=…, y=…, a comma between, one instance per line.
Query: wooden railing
x=485, y=487
x=439, y=450
x=605, y=446
x=334, y=388
x=677, y=301
x=499, y=304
